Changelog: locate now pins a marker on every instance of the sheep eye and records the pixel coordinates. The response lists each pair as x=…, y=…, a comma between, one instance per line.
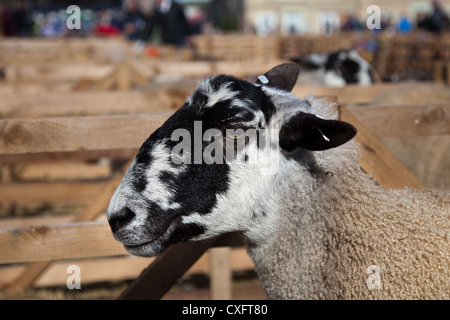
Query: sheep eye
x=235, y=134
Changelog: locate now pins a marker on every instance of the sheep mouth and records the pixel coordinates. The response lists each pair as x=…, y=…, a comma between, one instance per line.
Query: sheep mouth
x=149, y=248
x=154, y=244
x=151, y=244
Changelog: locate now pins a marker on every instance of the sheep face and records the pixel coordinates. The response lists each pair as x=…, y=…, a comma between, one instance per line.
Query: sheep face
x=214, y=166
x=336, y=68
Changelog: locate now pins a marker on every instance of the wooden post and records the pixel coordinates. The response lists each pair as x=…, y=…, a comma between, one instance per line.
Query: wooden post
x=220, y=275
x=438, y=68
x=447, y=68
x=161, y=275
x=123, y=77
x=123, y=74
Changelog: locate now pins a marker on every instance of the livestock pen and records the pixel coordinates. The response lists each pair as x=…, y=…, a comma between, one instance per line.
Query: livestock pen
x=72, y=120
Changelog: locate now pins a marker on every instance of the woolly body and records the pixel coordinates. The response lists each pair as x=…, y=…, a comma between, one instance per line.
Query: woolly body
x=331, y=230
x=313, y=226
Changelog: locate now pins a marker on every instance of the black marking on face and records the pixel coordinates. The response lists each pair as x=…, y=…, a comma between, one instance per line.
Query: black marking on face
x=346, y=67
x=247, y=92
x=349, y=70
x=340, y=62
x=140, y=179
x=196, y=187
x=206, y=183
x=199, y=99
x=184, y=232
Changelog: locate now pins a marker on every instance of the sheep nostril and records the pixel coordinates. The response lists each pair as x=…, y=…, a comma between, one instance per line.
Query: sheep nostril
x=121, y=218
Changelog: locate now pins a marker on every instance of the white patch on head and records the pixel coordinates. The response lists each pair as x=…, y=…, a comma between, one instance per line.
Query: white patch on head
x=157, y=190
x=333, y=79
x=245, y=206
x=364, y=78
x=318, y=58
x=214, y=96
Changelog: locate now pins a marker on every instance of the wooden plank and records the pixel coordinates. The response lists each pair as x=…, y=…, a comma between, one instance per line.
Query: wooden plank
x=350, y=94
x=69, y=241
x=84, y=155
x=64, y=71
x=377, y=160
x=55, y=72
x=92, y=271
x=89, y=213
x=161, y=275
x=126, y=131
x=36, y=221
x=18, y=222
x=19, y=103
x=67, y=170
x=200, y=69
x=405, y=120
x=116, y=268
x=220, y=275
x=76, y=133
x=34, y=192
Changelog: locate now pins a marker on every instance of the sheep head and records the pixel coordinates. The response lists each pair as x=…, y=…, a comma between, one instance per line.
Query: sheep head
x=215, y=165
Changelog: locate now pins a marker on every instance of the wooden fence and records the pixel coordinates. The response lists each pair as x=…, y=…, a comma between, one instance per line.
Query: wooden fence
x=84, y=238
x=393, y=56
x=76, y=125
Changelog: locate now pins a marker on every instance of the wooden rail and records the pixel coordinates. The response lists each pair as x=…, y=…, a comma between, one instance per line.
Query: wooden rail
x=91, y=123
x=43, y=243
x=399, y=55
x=93, y=239
x=129, y=131
x=69, y=134
x=76, y=133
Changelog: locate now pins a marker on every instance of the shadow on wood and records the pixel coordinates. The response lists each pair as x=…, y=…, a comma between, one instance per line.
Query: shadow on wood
x=162, y=274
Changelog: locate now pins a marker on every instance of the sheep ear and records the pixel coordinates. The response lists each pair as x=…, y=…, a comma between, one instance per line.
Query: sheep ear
x=283, y=76
x=313, y=133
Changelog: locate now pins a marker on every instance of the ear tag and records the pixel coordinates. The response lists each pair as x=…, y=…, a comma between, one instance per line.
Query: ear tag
x=263, y=79
x=323, y=136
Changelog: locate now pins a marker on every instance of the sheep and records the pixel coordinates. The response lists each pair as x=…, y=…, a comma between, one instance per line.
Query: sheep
x=315, y=225
x=335, y=69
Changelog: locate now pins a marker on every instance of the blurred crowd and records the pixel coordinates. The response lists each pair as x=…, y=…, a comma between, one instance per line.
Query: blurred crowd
x=132, y=19
x=137, y=19
x=435, y=21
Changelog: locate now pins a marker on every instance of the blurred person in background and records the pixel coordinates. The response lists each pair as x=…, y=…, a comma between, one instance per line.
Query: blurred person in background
x=170, y=18
x=351, y=23
x=133, y=21
x=437, y=21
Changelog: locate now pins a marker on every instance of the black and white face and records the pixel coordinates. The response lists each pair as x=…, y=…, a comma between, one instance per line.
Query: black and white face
x=339, y=68
x=213, y=166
